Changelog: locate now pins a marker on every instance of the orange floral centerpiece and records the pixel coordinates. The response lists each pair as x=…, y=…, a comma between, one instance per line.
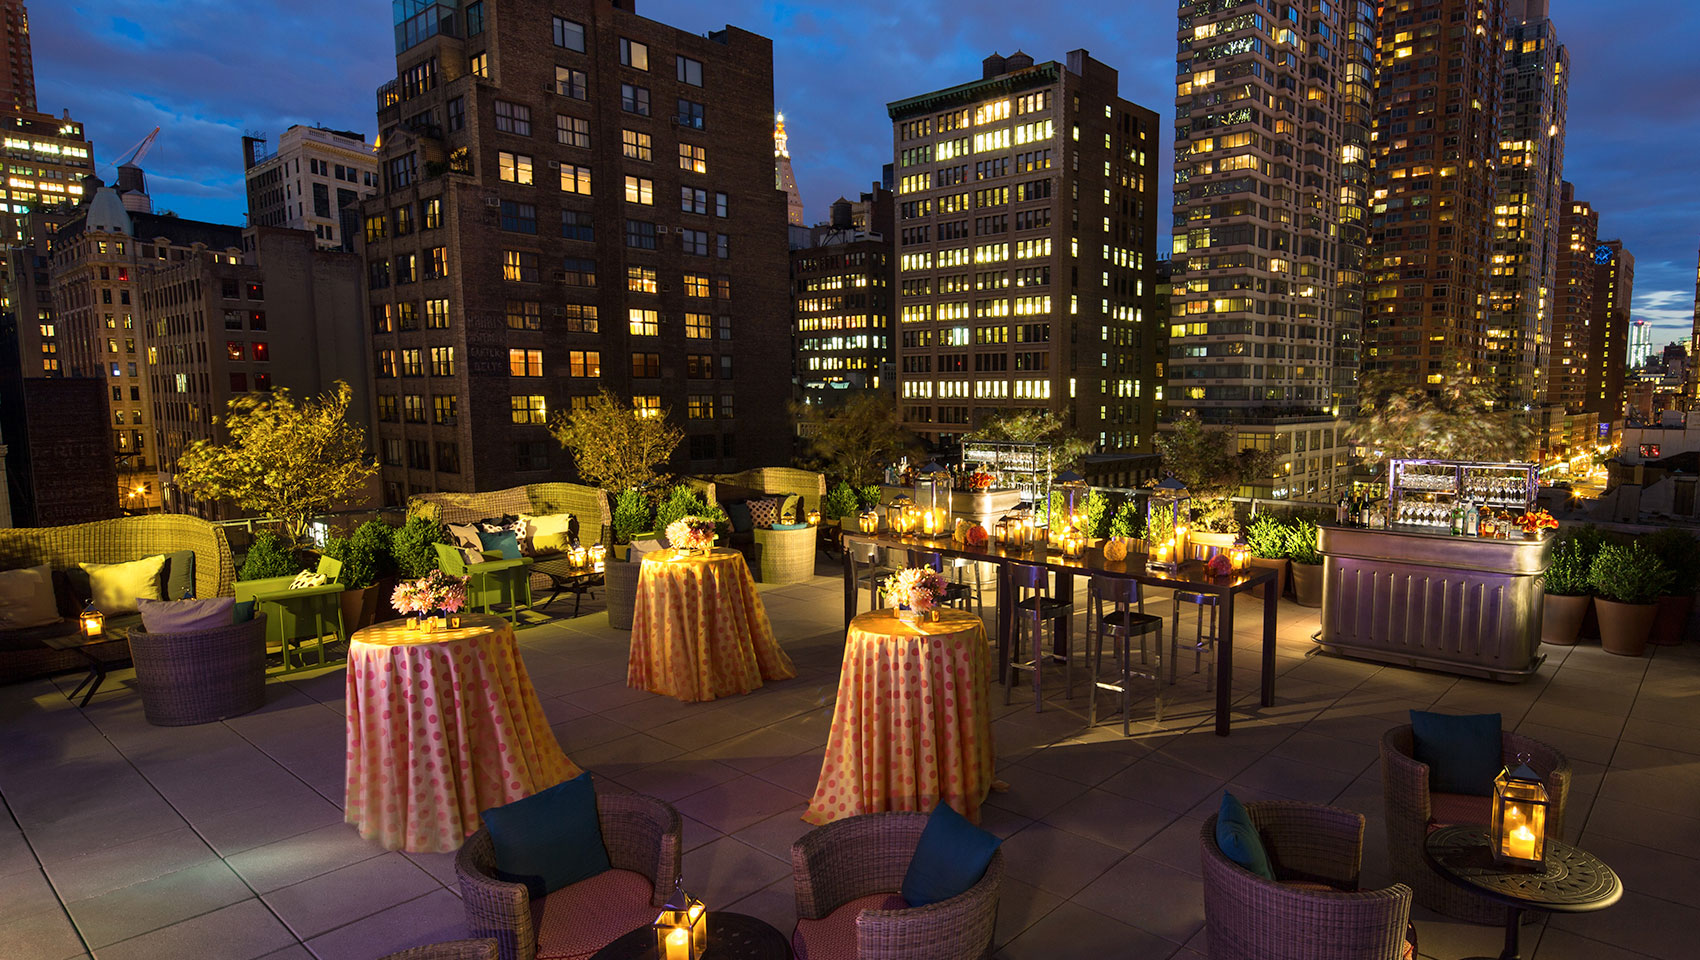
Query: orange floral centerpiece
x=980, y=481
x=1534, y=521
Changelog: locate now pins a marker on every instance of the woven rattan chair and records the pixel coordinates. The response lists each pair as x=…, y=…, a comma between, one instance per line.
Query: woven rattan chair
x=1314, y=910
x=786, y=556
x=850, y=871
x=202, y=676
x=1412, y=810
x=642, y=836
x=449, y=950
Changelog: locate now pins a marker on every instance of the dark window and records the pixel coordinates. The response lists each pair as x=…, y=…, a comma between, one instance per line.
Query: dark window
x=457, y=113
x=569, y=34
x=513, y=118
x=690, y=114
x=577, y=225
x=239, y=383
x=640, y=234
x=475, y=18
x=702, y=446
x=519, y=217
x=646, y=364
x=321, y=200
x=531, y=455
x=578, y=273
x=690, y=71
x=634, y=99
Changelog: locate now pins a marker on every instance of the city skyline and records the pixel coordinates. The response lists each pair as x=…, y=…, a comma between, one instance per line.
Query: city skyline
x=836, y=67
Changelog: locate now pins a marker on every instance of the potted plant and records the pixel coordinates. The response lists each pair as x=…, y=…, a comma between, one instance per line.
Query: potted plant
x=685, y=502
x=414, y=546
x=1627, y=581
x=1267, y=538
x=1128, y=524
x=1680, y=553
x=1568, y=595
x=634, y=518
x=1589, y=539
x=270, y=555
x=368, y=572
x=1307, y=563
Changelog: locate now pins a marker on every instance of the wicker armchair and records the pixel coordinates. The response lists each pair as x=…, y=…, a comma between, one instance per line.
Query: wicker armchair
x=449, y=950
x=786, y=556
x=1315, y=911
x=865, y=858
x=642, y=835
x=1411, y=810
x=203, y=676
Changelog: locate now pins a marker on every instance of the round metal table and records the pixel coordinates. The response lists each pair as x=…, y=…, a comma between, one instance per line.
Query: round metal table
x=1569, y=880
x=731, y=936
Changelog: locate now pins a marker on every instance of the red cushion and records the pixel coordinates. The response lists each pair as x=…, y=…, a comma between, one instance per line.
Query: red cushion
x=1310, y=886
x=834, y=936
x=582, y=918
x=1458, y=809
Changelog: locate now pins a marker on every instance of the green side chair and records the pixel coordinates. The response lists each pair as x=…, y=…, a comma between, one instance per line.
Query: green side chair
x=299, y=616
x=491, y=582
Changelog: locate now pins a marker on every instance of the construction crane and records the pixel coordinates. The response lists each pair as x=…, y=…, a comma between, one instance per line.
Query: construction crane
x=136, y=153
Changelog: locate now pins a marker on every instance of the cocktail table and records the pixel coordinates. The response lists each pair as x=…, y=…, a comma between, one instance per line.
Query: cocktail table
x=731, y=936
x=1570, y=880
x=83, y=646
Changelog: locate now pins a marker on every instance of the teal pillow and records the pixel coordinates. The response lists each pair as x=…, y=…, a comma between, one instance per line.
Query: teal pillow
x=1463, y=753
x=952, y=856
x=243, y=612
x=550, y=839
x=738, y=512
x=790, y=526
x=1238, y=839
x=506, y=541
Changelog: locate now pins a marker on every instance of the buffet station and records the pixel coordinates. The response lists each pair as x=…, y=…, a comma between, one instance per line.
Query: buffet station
x=1446, y=575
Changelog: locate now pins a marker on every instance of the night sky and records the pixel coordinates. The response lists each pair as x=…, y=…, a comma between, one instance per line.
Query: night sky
x=208, y=70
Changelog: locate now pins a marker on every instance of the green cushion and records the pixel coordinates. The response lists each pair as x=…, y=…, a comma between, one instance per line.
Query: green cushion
x=180, y=575
x=550, y=839
x=952, y=856
x=243, y=612
x=1463, y=752
x=1238, y=839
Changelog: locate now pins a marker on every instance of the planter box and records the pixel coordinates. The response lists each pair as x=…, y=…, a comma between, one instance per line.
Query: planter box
x=980, y=506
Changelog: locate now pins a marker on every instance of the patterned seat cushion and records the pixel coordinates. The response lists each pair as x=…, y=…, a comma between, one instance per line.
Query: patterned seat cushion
x=833, y=937
x=764, y=512
x=582, y=918
x=1457, y=809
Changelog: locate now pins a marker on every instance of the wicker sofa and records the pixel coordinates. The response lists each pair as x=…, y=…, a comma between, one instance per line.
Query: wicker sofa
x=807, y=484
x=589, y=505
x=22, y=654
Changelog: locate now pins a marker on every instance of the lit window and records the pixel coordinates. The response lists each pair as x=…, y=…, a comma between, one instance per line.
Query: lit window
x=640, y=190
x=635, y=144
x=644, y=323
x=575, y=179
x=530, y=408
x=693, y=158
x=584, y=363
x=525, y=363
x=641, y=280
x=699, y=326
x=513, y=167
x=634, y=54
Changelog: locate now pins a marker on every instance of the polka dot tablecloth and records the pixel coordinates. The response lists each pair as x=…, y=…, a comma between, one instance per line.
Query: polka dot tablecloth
x=699, y=631
x=912, y=727
x=441, y=726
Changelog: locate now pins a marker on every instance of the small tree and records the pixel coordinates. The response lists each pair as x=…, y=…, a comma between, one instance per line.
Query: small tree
x=415, y=548
x=856, y=441
x=1455, y=419
x=286, y=460
x=1213, y=468
x=616, y=446
x=1036, y=426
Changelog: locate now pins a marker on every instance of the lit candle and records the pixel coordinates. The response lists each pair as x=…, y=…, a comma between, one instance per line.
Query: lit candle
x=679, y=944
x=1520, y=843
x=927, y=521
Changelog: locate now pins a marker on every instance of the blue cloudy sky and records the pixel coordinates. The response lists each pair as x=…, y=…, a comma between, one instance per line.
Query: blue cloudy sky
x=208, y=70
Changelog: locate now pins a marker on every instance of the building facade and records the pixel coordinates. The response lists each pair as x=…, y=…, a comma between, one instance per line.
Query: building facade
x=1272, y=124
x=309, y=180
x=842, y=292
x=1567, y=364
x=46, y=159
x=1026, y=248
x=1527, y=208
x=17, y=82
x=574, y=199
x=1608, y=329
x=784, y=178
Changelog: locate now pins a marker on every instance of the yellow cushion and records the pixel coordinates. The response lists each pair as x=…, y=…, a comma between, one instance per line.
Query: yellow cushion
x=546, y=524
x=789, y=507
x=117, y=586
x=550, y=542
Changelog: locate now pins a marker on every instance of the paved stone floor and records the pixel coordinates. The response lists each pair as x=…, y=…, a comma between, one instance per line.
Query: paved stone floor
x=226, y=841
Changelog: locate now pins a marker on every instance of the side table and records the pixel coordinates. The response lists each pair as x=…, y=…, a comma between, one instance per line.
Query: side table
x=83, y=646
x=1570, y=880
x=731, y=936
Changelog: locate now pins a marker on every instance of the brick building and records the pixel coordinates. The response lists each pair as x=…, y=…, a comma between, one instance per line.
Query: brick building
x=308, y=182
x=1572, y=304
x=843, y=288
x=574, y=198
x=1608, y=329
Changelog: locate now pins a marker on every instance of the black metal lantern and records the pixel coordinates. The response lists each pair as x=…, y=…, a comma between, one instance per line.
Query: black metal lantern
x=681, y=929
x=1518, y=828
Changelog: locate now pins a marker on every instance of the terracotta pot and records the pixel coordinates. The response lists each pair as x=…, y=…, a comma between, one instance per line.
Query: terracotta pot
x=1279, y=565
x=1624, y=626
x=1671, y=622
x=1561, y=618
x=368, y=605
x=1307, y=584
x=622, y=551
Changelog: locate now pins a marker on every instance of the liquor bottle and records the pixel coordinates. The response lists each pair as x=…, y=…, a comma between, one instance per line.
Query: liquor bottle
x=1457, y=518
x=1470, y=518
x=1340, y=511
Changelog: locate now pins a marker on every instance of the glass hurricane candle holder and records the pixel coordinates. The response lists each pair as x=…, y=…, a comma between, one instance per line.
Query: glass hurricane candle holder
x=92, y=621
x=1518, y=825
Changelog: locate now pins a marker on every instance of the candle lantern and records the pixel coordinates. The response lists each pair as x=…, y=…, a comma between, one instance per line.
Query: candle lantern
x=1074, y=545
x=1518, y=827
x=598, y=557
x=1000, y=530
x=897, y=517
x=814, y=518
x=681, y=929
x=1240, y=556
x=1074, y=492
x=1167, y=511
x=580, y=557
x=932, y=497
x=93, y=622
x=870, y=520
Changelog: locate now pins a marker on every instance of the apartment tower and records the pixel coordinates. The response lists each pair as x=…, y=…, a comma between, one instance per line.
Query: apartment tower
x=1528, y=204
x=1567, y=363
x=1272, y=124
x=1439, y=67
x=17, y=82
x=310, y=182
x=842, y=290
x=1608, y=329
x=1026, y=246
x=573, y=198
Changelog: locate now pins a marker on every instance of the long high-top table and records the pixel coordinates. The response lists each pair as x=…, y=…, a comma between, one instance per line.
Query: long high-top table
x=1190, y=578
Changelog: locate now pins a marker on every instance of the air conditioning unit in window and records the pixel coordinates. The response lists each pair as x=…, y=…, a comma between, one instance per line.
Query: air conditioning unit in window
x=492, y=202
x=548, y=86
x=554, y=164
x=661, y=229
x=561, y=276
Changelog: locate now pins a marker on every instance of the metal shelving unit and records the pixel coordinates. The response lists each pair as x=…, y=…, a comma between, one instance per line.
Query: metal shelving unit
x=1444, y=482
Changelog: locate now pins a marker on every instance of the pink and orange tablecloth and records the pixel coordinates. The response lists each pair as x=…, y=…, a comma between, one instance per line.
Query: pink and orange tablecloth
x=441, y=726
x=699, y=631
x=912, y=727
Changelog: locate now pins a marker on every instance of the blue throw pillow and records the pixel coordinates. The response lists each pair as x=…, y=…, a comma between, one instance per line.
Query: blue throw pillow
x=952, y=856
x=738, y=512
x=550, y=839
x=243, y=612
x=506, y=541
x=1238, y=839
x=1463, y=753
x=790, y=526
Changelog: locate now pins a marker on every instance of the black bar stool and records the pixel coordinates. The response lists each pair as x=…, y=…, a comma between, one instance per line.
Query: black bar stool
x=1034, y=607
x=1126, y=621
x=956, y=594
x=873, y=578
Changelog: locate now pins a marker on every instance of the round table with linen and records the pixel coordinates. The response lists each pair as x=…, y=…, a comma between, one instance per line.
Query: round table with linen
x=912, y=727
x=441, y=726
x=698, y=629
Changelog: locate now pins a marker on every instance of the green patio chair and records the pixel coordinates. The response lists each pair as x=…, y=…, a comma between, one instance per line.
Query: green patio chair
x=299, y=616
x=491, y=582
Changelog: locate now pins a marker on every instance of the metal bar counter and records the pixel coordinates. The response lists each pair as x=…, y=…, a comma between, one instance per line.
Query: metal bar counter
x=1421, y=598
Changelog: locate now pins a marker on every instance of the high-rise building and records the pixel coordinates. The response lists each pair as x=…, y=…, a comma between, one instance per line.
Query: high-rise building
x=1523, y=273
x=1567, y=366
x=311, y=181
x=1694, y=342
x=784, y=178
x=1608, y=328
x=1027, y=222
x=1640, y=344
x=1272, y=118
x=842, y=291
x=17, y=82
x=1436, y=147
x=574, y=198
x=46, y=159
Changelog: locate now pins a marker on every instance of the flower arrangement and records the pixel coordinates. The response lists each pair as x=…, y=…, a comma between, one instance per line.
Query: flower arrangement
x=917, y=588
x=981, y=480
x=1535, y=521
x=691, y=533
x=436, y=591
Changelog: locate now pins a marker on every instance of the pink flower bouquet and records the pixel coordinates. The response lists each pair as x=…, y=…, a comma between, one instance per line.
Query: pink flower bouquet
x=691, y=533
x=918, y=589
x=434, y=592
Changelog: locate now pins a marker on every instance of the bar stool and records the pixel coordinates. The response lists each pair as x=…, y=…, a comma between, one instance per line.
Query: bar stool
x=955, y=593
x=1201, y=639
x=868, y=554
x=1034, y=607
x=1126, y=621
